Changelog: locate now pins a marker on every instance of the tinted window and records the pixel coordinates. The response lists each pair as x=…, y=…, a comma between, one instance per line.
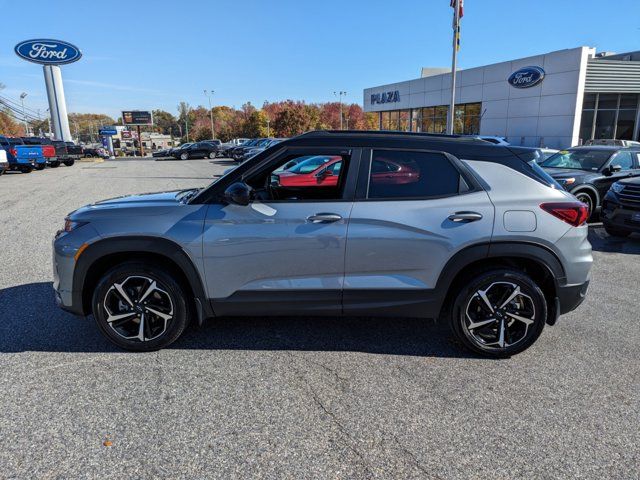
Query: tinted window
x=405, y=174
x=624, y=159
x=583, y=159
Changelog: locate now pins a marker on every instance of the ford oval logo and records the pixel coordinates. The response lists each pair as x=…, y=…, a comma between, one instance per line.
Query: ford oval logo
x=526, y=77
x=48, y=52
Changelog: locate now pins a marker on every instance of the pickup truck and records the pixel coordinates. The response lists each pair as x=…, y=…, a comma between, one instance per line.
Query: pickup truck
x=68, y=152
x=21, y=157
x=4, y=163
x=49, y=153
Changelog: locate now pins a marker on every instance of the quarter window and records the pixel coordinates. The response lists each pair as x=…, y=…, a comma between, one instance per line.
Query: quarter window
x=407, y=174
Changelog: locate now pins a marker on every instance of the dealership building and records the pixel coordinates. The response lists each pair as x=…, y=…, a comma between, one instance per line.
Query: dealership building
x=555, y=100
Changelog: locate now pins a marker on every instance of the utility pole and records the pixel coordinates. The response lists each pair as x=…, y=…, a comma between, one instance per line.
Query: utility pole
x=339, y=95
x=213, y=133
x=186, y=123
x=24, y=116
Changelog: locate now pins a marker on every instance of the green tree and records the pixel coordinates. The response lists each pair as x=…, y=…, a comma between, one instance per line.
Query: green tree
x=166, y=123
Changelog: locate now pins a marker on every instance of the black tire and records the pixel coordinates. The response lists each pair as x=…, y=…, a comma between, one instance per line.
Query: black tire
x=130, y=275
x=484, y=338
x=55, y=164
x=184, y=156
x=69, y=163
x=616, y=232
x=26, y=169
x=40, y=166
x=587, y=198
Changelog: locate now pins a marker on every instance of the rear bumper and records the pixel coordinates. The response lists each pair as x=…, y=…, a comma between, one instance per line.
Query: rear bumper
x=571, y=296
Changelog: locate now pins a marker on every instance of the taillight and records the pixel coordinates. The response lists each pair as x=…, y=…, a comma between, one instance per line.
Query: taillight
x=13, y=152
x=573, y=213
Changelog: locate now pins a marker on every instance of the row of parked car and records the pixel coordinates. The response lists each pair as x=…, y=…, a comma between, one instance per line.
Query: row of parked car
x=239, y=149
x=25, y=154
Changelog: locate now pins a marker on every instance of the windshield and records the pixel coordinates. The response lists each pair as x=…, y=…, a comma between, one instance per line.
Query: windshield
x=590, y=160
x=309, y=165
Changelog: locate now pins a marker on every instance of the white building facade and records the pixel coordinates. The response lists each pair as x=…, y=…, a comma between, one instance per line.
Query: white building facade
x=555, y=100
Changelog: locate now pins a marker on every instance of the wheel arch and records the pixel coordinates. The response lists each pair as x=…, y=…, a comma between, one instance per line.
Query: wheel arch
x=102, y=255
x=590, y=189
x=536, y=260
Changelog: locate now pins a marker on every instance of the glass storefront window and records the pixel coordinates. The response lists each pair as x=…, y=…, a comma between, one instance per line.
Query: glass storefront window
x=385, y=121
x=404, y=121
x=394, y=120
x=416, y=120
x=615, y=116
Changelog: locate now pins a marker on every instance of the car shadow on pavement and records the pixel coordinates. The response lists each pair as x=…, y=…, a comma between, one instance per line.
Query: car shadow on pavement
x=31, y=321
x=601, y=241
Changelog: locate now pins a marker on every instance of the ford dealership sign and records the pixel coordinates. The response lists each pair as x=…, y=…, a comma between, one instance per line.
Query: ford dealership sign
x=526, y=77
x=48, y=52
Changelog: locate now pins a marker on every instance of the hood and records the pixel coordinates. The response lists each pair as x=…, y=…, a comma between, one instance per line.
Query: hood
x=562, y=173
x=149, y=198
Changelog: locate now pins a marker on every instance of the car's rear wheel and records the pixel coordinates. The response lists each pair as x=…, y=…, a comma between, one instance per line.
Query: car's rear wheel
x=184, y=156
x=55, y=164
x=40, y=166
x=212, y=155
x=588, y=200
x=140, y=307
x=616, y=232
x=69, y=163
x=499, y=313
x=26, y=169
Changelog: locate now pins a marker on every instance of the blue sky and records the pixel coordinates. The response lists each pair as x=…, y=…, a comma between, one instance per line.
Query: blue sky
x=152, y=54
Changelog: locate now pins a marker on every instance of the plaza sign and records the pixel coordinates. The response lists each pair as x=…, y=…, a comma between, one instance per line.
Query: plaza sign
x=48, y=52
x=385, y=97
x=526, y=77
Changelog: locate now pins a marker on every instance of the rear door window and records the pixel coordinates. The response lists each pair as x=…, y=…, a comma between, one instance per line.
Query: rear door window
x=405, y=174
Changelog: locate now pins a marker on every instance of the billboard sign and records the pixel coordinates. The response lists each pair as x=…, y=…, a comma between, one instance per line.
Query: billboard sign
x=137, y=117
x=48, y=52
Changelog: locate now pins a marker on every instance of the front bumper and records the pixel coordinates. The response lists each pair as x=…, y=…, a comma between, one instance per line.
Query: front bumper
x=621, y=216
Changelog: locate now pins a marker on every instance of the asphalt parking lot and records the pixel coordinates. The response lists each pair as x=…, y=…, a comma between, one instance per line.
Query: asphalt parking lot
x=300, y=397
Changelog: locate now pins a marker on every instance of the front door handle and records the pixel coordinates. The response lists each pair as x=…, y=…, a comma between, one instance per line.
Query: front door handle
x=465, y=217
x=324, y=218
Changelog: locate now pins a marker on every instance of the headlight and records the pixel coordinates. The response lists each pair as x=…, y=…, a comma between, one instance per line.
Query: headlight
x=70, y=225
x=617, y=187
x=567, y=181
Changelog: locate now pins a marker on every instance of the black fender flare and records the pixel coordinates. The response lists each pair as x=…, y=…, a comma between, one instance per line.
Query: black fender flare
x=539, y=253
x=142, y=244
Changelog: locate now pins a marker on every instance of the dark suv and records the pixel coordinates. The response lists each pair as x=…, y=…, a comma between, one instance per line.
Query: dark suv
x=197, y=150
x=621, y=208
x=588, y=172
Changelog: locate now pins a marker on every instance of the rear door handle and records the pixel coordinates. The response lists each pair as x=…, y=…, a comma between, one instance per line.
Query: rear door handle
x=324, y=218
x=465, y=217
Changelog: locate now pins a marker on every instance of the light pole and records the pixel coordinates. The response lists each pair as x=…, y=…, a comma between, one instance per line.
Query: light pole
x=24, y=116
x=339, y=95
x=213, y=133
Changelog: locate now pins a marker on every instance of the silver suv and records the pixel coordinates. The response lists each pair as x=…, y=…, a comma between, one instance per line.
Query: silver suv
x=338, y=223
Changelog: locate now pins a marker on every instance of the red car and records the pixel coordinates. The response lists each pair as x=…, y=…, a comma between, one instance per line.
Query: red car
x=324, y=171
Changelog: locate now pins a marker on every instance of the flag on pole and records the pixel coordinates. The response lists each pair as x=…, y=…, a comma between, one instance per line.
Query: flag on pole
x=456, y=20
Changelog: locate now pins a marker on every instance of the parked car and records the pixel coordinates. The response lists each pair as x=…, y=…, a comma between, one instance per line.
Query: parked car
x=588, y=172
x=4, y=163
x=197, y=150
x=91, y=152
x=486, y=243
x=172, y=151
x=21, y=157
x=238, y=149
x=238, y=153
x=225, y=148
x=165, y=152
x=68, y=152
x=494, y=140
x=253, y=151
x=546, y=153
x=621, y=208
x=612, y=142
x=48, y=151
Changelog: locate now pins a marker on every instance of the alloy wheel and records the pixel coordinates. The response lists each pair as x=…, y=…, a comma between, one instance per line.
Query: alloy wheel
x=498, y=316
x=138, y=308
x=586, y=199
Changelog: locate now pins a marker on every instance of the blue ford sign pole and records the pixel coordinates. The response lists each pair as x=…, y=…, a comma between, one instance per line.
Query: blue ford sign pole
x=51, y=54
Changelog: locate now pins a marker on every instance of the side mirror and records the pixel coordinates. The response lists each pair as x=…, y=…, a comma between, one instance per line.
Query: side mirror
x=324, y=173
x=239, y=193
x=615, y=168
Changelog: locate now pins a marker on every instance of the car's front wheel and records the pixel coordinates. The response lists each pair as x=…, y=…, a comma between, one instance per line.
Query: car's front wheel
x=184, y=156
x=55, y=164
x=69, y=163
x=588, y=200
x=499, y=313
x=140, y=307
x=212, y=155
